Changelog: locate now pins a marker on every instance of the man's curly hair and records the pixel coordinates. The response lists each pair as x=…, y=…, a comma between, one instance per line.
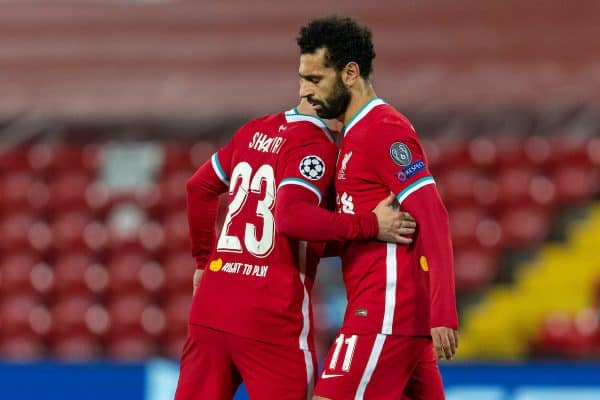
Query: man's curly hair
x=344, y=41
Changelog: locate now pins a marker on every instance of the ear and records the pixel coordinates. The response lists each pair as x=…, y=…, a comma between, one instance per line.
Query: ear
x=350, y=74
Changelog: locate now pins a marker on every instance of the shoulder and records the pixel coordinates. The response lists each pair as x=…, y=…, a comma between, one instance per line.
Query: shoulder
x=304, y=129
x=391, y=122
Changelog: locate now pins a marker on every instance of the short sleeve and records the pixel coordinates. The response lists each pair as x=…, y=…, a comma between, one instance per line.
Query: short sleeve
x=401, y=162
x=310, y=166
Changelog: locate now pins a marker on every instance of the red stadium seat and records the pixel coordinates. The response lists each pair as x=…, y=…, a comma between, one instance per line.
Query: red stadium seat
x=124, y=222
x=150, y=200
x=15, y=273
x=15, y=231
x=58, y=158
x=124, y=272
x=68, y=191
x=510, y=152
x=459, y=185
x=538, y=151
x=453, y=154
x=177, y=234
x=571, y=151
x=173, y=347
x=14, y=159
x=125, y=313
x=524, y=226
x=542, y=193
x=15, y=314
x=483, y=152
x=153, y=321
x=562, y=335
x=176, y=156
x=176, y=312
x=475, y=268
x=576, y=184
x=131, y=348
x=80, y=347
x=490, y=234
x=513, y=186
x=486, y=193
x=463, y=224
x=173, y=192
x=69, y=316
x=179, y=269
x=201, y=153
x=433, y=154
x=152, y=237
x=22, y=348
x=22, y=191
x=593, y=152
x=68, y=230
x=70, y=272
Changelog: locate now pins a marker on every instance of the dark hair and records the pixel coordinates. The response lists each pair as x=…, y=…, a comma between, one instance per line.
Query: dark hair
x=344, y=41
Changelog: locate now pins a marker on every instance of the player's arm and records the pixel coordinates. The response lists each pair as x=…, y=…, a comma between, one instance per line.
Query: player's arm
x=405, y=171
x=203, y=190
x=298, y=213
x=427, y=207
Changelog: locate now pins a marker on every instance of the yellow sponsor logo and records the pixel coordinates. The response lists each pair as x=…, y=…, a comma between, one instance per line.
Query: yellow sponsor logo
x=424, y=265
x=215, y=265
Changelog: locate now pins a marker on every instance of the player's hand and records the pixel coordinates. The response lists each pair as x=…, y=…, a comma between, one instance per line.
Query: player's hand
x=445, y=342
x=196, y=279
x=394, y=226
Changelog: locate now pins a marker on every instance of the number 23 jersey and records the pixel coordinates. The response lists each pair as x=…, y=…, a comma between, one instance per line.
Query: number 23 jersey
x=257, y=283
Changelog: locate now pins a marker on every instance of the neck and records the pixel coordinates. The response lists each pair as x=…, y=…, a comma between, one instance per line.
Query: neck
x=361, y=95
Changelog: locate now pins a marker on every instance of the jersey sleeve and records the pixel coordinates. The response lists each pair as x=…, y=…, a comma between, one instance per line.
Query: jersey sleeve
x=310, y=166
x=402, y=166
x=435, y=248
x=298, y=215
x=203, y=190
x=400, y=161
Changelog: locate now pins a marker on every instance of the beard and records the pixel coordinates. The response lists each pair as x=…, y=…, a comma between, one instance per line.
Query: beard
x=336, y=104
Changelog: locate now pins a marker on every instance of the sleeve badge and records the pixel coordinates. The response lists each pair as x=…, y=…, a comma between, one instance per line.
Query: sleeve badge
x=400, y=154
x=312, y=167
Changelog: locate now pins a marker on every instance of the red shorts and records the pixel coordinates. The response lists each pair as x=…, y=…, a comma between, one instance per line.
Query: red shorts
x=214, y=364
x=380, y=367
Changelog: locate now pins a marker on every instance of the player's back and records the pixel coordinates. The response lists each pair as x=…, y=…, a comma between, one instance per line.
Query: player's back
x=258, y=282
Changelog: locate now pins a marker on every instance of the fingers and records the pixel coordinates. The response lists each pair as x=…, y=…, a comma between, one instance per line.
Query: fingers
x=406, y=216
x=445, y=342
x=402, y=240
x=447, y=345
x=437, y=345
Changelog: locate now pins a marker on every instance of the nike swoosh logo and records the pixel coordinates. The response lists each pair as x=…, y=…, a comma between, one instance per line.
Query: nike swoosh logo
x=325, y=375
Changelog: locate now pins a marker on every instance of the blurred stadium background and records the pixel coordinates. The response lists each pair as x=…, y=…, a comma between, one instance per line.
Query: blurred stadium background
x=107, y=107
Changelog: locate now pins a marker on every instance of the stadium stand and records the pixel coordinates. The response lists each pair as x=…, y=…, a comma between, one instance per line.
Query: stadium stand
x=63, y=294
x=106, y=111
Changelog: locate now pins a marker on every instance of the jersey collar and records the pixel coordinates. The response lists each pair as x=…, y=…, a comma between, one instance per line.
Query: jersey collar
x=294, y=116
x=360, y=114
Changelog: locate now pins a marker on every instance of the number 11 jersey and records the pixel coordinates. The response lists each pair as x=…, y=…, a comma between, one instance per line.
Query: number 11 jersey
x=257, y=283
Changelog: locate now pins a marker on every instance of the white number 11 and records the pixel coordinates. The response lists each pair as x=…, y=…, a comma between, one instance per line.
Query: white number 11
x=350, y=345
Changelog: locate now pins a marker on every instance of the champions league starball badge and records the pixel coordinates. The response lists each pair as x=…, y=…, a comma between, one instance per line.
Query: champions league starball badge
x=312, y=167
x=400, y=154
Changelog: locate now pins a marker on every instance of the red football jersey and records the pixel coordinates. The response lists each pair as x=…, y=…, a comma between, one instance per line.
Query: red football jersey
x=257, y=282
x=388, y=285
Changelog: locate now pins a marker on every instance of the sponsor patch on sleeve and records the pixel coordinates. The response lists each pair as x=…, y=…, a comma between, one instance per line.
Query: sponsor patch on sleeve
x=410, y=170
x=312, y=167
x=400, y=154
